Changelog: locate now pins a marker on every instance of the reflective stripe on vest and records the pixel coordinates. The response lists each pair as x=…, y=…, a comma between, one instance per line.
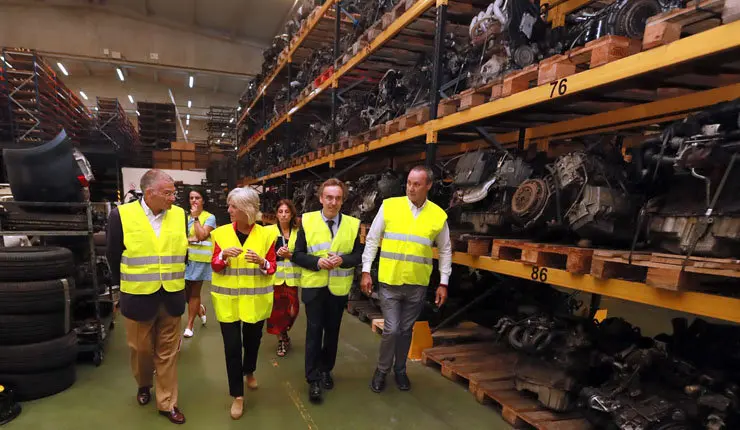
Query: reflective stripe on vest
x=319, y=243
x=242, y=292
x=202, y=251
x=148, y=262
x=286, y=272
x=406, y=253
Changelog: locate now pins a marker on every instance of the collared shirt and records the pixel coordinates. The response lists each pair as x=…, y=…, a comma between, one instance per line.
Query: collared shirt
x=335, y=227
x=377, y=229
x=154, y=220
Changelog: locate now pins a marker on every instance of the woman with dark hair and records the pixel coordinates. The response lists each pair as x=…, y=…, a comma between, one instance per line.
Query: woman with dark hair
x=200, y=250
x=287, y=278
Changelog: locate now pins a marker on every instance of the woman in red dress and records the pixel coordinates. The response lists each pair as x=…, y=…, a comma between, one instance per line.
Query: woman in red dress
x=287, y=278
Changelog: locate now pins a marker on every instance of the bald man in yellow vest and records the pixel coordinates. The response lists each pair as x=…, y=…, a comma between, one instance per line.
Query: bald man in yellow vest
x=409, y=227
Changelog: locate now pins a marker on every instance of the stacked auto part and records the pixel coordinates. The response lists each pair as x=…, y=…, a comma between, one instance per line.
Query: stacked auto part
x=39, y=348
x=692, y=169
x=485, y=182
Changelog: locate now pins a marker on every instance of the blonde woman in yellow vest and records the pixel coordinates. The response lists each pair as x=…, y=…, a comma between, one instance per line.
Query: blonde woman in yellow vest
x=242, y=289
x=328, y=249
x=200, y=250
x=409, y=228
x=287, y=278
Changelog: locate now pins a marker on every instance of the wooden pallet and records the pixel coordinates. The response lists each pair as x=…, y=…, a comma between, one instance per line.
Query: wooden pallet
x=488, y=370
x=519, y=80
x=667, y=27
x=364, y=310
x=569, y=258
x=464, y=332
x=475, y=96
x=667, y=271
x=413, y=118
x=596, y=53
x=475, y=245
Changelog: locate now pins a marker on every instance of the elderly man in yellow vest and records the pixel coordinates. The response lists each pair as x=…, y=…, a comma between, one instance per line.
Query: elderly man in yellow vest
x=147, y=247
x=408, y=227
x=327, y=249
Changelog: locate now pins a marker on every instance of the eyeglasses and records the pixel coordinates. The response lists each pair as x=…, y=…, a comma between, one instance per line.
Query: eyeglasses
x=167, y=193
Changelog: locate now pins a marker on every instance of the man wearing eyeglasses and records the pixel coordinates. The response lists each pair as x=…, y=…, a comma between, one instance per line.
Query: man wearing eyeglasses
x=147, y=248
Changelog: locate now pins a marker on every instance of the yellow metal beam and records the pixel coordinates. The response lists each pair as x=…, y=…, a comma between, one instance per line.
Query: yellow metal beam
x=408, y=17
x=557, y=10
x=708, y=305
x=287, y=58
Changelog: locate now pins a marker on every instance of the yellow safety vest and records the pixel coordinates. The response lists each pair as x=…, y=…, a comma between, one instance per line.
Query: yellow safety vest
x=319, y=243
x=200, y=251
x=406, y=253
x=149, y=262
x=286, y=271
x=241, y=292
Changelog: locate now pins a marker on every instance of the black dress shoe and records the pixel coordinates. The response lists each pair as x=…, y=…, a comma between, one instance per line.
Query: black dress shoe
x=378, y=382
x=144, y=396
x=314, y=392
x=327, y=382
x=402, y=380
x=175, y=416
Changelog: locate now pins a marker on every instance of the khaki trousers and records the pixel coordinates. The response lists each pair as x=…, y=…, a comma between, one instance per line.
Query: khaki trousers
x=154, y=345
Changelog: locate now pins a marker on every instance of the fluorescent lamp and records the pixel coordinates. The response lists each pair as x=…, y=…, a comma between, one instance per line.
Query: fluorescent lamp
x=186, y=131
x=223, y=134
x=187, y=122
x=187, y=117
x=192, y=81
x=84, y=96
x=61, y=67
x=239, y=109
x=120, y=74
x=218, y=141
x=231, y=120
x=5, y=61
x=130, y=98
x=137, y=113
x=190, y=103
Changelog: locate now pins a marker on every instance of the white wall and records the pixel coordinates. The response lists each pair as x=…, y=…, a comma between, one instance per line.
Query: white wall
x=132, y=176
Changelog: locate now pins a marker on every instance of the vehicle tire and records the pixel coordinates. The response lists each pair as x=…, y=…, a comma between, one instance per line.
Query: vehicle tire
x=34, y=386
x=39, y=357
x=35, y=263
x=24, y=329
x=35, y=297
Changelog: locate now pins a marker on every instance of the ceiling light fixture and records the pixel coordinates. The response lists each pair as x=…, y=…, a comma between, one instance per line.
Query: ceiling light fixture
x=187, y=117
x=192, y=81
x=239, y=109
x=84, y=96
x=186, y=131
x=223, y=134
x=61, y=67
x=231, y=120
x=137, y=113
x=5, y=61
x=130, y=98
x=190, y=103
x=187, y=121
x=120, y=74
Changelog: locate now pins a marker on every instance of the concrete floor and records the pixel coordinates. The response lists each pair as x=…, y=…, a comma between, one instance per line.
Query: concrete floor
x=104, y=397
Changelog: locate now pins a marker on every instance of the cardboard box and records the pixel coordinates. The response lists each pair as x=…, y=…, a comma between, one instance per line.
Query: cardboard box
x=188, y=156
x=187, y=165
x=178, y=145
x=162, y=155
x=175, y=155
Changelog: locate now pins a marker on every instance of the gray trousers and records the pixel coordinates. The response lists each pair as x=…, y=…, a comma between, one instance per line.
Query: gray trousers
x=401, y=306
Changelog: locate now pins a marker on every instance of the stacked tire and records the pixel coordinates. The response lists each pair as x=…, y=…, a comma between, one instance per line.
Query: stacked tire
x=38, y=349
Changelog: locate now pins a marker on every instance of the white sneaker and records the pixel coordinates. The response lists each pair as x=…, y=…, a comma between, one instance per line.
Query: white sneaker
x=203, y=318
x=188, y=333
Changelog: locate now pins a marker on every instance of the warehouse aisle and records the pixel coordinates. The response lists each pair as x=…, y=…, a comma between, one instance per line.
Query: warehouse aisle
x=103, y=398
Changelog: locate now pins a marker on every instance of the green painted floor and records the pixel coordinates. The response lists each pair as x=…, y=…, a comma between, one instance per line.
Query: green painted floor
x=104, y=397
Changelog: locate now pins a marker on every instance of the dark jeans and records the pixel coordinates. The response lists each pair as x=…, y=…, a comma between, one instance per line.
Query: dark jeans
x=238, y=365
x=324, y=318
x=401, y=306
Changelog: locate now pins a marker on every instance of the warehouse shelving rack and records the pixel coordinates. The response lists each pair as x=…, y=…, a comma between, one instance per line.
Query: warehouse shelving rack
x=630, y=96
x=157, y=124
x=37, y=103
x=102, y=324
x=221, y=127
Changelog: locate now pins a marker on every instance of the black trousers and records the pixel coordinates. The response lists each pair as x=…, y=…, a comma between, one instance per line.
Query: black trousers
x=324, y=318
x=237, y=336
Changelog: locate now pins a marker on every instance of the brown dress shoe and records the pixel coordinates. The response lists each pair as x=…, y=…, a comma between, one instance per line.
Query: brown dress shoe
x=175, y=416
x=143, y=396
x=237, y=408
x=252, y=383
